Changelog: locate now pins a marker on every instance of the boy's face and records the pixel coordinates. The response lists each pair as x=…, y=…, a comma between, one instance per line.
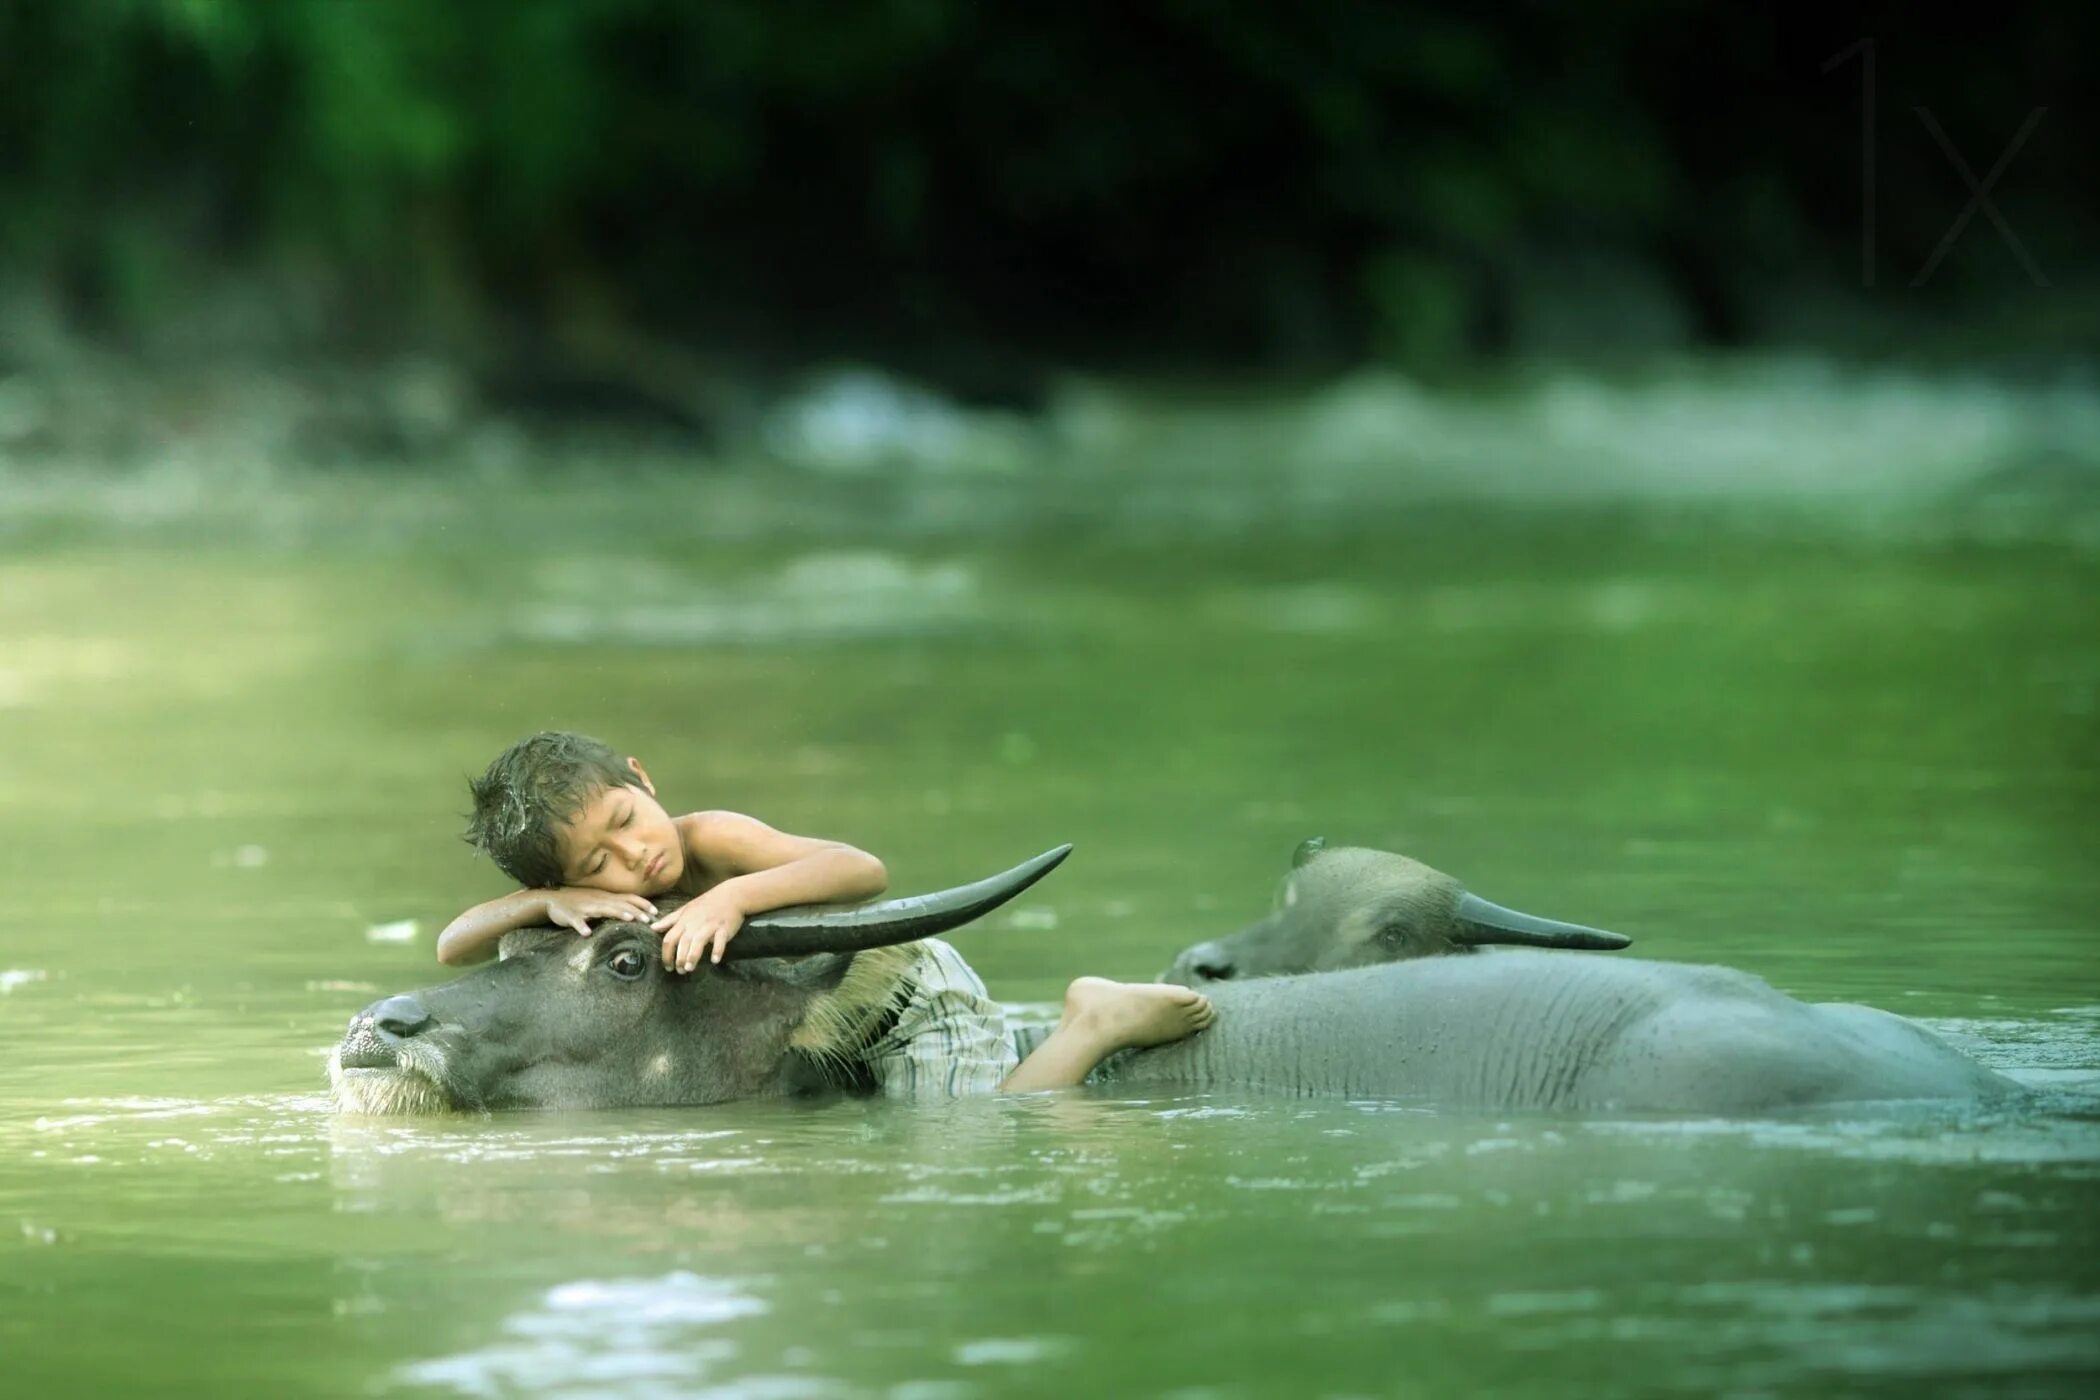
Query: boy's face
x=623, y=841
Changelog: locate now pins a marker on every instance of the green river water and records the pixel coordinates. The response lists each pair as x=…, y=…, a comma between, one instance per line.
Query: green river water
x=229, y=787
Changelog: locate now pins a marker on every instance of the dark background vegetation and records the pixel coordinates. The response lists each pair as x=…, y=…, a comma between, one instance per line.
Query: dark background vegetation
x=639, y=189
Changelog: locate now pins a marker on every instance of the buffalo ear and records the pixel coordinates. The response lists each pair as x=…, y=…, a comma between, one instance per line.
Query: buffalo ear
x=1479, y=922
x=816, y=972
x=524, y=940
x=1307, y=849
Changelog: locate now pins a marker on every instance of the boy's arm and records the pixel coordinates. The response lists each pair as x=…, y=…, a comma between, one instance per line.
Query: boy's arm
x=473, y=936
x=757, y=868
x=763, y=869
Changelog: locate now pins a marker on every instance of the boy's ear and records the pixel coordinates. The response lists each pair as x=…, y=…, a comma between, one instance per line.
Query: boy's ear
x=642, y=773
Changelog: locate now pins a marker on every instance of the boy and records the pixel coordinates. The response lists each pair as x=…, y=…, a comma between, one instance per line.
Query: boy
x=583, y=832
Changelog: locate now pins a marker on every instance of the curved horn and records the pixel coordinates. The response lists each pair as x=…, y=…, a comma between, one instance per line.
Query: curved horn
x=1482, y=922
x=813, y=928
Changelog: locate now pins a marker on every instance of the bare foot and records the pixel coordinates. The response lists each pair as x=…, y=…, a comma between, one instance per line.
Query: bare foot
x=1125, y=1015
x=1102, y=1017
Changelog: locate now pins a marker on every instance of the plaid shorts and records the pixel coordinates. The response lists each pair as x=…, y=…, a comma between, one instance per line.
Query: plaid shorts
x=950, y=1038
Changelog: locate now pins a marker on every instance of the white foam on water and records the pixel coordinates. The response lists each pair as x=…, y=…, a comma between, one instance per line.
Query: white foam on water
x=1006, y=1351
x=636, y=1336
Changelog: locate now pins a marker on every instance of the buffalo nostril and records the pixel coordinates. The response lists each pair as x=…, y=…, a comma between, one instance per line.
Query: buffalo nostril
x=1207, y=962
x=400, y=1017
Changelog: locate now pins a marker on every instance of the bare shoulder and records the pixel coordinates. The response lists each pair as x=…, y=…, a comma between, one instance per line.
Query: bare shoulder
x=725, y=843
x=713, y=839
x=729, y=843
x=720, y=828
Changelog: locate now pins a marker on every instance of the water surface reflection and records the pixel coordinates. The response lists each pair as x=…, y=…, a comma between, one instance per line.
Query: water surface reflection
x=1747, y=752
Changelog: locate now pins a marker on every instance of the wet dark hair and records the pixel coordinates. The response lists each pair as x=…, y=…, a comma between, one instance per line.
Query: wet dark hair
x=530, y=792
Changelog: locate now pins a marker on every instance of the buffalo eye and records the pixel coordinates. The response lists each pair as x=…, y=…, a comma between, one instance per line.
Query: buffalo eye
x=627, y=964
x=1395, y=933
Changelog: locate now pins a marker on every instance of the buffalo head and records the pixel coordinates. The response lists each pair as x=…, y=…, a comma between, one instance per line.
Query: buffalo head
x=1348, y=906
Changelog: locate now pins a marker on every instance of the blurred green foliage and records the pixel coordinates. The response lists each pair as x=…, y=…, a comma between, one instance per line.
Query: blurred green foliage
x=1223, y=179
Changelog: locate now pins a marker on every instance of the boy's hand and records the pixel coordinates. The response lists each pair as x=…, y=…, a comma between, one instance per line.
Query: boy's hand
x=701, y=928
x=573, y=907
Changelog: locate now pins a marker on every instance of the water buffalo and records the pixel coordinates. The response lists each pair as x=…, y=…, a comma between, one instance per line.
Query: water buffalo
x=598, y=1022
x=566, y=1022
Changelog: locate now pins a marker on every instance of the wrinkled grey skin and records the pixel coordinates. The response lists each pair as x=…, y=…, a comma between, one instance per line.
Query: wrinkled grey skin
x=1524, y=1029
x=566, y=1022
x=1349, y=906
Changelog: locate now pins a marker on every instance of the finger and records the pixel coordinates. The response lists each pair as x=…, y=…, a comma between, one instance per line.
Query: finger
x=669, y=953
x=722, y=941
